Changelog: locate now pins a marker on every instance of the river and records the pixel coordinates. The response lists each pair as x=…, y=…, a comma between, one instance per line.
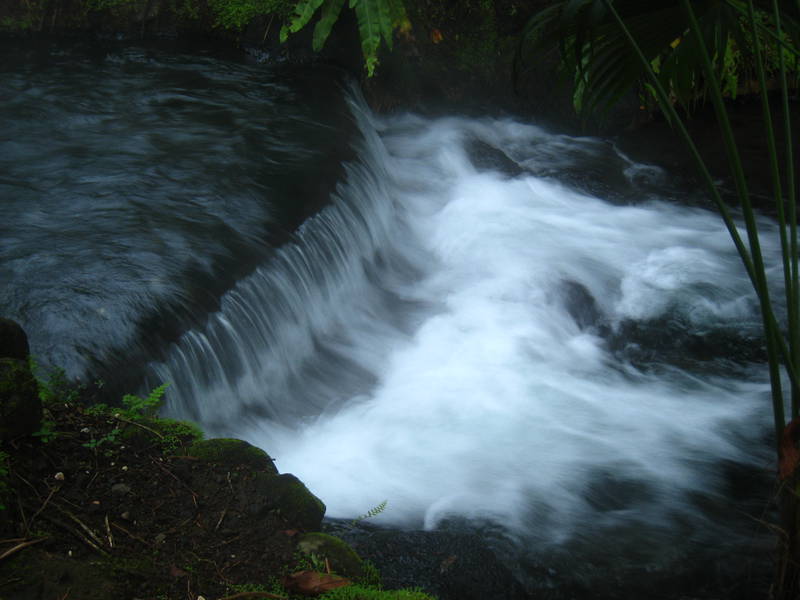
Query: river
x=486, y=324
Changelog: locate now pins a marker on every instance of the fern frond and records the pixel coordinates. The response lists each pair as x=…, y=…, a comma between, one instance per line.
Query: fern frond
x=303, y=12
x=373, y=512
x=330, y=13
x=374, y=22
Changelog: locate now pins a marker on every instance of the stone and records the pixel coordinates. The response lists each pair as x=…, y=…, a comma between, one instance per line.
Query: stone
x=13, y=340
x=285, y=494
x=233, y=453
x=20, y=405
x=120, y=489
x=341, y=557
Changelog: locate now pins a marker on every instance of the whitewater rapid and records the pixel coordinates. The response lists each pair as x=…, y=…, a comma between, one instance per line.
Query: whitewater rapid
x=449, y=335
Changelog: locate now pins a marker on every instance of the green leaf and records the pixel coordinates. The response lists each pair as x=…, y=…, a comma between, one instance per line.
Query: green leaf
x=374, y=17
x=330, y=13
x=303, y=12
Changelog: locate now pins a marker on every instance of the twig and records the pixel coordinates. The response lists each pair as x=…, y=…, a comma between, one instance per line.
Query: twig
x=130, y=535
x=221, y=517
x=153, y=431
x=254, y=595
x=42, y=507
x=171, y=474
x=85, y=527
x=76, y=533
x=108, y=532
x=19, y=547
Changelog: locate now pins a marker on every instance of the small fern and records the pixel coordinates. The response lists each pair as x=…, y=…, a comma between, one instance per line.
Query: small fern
x=136, y=407
x=373, y=512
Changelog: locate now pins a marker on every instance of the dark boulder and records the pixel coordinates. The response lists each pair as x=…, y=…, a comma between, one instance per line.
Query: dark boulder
x=13, y=341
x=233, y=453
x=20, y=405
x=451, y=565
x=284, y=494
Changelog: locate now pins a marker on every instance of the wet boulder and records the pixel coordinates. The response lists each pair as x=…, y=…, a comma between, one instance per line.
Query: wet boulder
x=233, y=453
x=285, y=495
x=13, y=340
x=342, y=558
x=20, y=405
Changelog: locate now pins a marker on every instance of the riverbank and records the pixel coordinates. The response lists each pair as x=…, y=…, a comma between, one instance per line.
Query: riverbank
x=106, y=502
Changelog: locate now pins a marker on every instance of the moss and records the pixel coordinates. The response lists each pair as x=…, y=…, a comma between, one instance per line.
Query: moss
x=236, y=14
x=286, y=495
x=342, y=558
x=296, y=503
x=232, y=452
x=20, y=405
x=358, y=592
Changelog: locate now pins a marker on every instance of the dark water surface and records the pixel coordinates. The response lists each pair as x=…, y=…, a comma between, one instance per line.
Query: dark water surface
x=137, y=186
x=494, y=327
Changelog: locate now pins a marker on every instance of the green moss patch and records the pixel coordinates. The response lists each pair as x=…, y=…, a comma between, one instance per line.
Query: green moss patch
x=234, y=453
x=342, y=558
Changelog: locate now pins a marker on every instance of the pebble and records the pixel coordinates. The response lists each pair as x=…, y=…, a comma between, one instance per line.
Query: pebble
x=120, y=489
x=59, y=476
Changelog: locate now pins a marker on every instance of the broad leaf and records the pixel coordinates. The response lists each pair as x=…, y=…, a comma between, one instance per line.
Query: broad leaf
x=330, y=13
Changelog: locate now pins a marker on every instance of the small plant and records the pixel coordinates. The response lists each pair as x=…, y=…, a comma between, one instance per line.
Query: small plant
x=47, y=432
x=98, y=410
x=372, y=512
x=358, y=592
x=371, y=577
x=271, y=589
x=53, y=385
x=138, y=408
x=175, y=433
x=109, y=438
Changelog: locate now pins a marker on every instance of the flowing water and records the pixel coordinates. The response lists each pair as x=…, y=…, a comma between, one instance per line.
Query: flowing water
x=488, y=324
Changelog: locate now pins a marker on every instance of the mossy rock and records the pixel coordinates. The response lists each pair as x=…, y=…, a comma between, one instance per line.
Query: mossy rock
x=233, y=452
x=20, y=405
x=285, y=494
x=13, y=340
x=342, y=558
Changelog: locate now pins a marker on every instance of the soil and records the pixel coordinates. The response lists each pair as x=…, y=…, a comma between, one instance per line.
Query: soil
x=109, y=508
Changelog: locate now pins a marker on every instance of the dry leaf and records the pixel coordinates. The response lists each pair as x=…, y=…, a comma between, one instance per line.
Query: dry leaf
x=790, y=455
x=176, y=572
x=436, y=36
x=447, y=563
x=311, y=583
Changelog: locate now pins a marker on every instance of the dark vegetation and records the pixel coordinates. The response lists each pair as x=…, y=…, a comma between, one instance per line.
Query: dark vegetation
x=114, y=502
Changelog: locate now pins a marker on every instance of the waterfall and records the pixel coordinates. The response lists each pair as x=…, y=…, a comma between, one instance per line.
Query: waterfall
x=494, y=322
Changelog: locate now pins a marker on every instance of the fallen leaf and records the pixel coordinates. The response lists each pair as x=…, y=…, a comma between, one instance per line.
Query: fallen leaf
x=176, y=572
x=436, y=36
x=447, y=563
x=790, y=455
x=290, y=532
x=312, y=583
